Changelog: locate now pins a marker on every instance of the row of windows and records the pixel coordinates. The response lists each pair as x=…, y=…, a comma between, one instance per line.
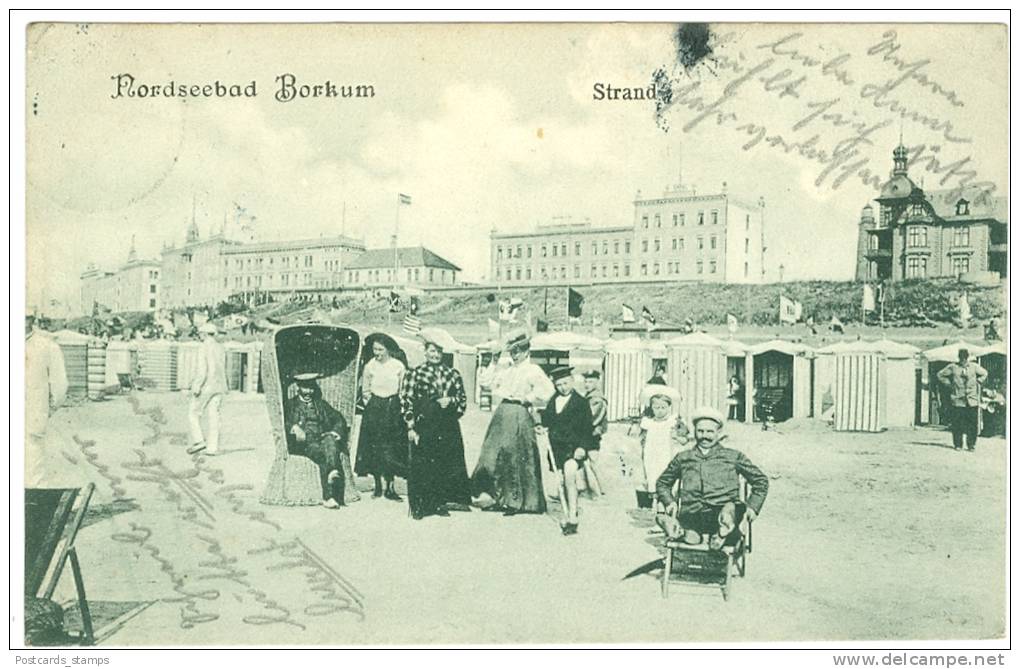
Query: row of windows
x=653, y=245
x=559, y=250
x=605, y=271
x=917, y=266
x=680, y=220
x=917, y=235
x=410, y=274
x=285, y=263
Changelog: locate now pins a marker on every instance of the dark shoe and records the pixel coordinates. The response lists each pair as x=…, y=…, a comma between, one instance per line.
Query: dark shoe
x=196, y=448
x=569, y=528
x=441, y=511
x=417, y=515
x=392, y=494
x=493, y=508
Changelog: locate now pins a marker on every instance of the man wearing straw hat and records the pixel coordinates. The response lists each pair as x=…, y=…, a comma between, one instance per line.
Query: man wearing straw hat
x=208, y=386
x=709, y=475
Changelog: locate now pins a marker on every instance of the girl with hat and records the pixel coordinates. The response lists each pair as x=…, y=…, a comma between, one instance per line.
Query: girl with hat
x=662, y=434
x=382, y=441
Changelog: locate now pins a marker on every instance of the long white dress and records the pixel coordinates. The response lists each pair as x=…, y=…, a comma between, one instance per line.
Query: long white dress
x=659, y=449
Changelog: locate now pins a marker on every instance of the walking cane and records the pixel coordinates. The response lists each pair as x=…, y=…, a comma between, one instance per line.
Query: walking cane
x=560, y=477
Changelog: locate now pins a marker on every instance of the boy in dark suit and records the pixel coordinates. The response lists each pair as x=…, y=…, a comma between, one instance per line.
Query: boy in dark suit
x=568, y=422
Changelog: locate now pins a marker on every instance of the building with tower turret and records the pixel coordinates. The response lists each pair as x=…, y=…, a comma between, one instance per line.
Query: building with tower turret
x=134, y=286
x=959, y=232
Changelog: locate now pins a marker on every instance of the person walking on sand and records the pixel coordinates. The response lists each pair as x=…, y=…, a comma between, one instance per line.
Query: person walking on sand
x=964, y=379
x=208, y=386
x=509, y=467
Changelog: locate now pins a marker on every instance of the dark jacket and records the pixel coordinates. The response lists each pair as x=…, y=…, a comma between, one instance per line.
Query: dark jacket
x=710, y=481
x=316, y=418
x=571, y=428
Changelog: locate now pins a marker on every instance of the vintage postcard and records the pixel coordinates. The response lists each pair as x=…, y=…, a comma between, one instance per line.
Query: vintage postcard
x=515, y=334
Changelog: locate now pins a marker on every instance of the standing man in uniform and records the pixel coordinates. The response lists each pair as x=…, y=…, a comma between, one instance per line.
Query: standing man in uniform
x=964, y=379
x=208, y=386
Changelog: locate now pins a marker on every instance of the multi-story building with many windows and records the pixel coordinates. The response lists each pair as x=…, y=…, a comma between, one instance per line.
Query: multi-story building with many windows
x=287, y=266
x=134, y=286
x=958, y=233
x=405, y=266
x=680, y=236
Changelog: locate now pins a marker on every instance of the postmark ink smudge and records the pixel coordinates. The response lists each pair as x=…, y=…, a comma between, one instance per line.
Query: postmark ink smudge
x=693, y=43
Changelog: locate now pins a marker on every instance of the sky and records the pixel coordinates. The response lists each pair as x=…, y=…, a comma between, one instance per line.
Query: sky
x=491, y=127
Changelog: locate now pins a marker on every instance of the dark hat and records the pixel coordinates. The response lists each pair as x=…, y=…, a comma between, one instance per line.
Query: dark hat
x=593, y=374
x=561, y=372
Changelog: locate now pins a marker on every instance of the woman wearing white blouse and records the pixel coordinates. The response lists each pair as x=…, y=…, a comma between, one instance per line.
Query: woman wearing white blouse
x=382, y=441
x=509, y=468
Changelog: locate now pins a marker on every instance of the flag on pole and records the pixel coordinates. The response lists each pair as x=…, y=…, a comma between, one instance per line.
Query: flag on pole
x=964, y=307
x=628, y=314
x=648, y=317
x=575, y=302
x=404, y=199
x=789, y=310
x=731, y=323
x=394, y=302
x=868, y=298
x=412, y=324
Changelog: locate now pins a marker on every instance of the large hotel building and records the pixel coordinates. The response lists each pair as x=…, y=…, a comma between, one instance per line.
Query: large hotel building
x=209, y=270
x=680, y=236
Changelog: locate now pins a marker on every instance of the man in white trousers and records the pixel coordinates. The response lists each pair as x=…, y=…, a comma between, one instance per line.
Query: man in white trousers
x=45, y=389
x=208, y=386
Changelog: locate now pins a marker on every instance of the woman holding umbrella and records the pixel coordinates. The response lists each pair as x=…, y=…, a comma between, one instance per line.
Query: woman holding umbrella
x=382, y=441
x=433, y=399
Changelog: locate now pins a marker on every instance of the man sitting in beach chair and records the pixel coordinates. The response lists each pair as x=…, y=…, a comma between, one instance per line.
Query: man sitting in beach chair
x=319, y=432
x=709, y=475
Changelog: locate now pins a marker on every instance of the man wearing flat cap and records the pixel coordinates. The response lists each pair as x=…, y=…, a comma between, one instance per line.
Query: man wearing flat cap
x=319, y=432
x=567, y=421
x=709, y=475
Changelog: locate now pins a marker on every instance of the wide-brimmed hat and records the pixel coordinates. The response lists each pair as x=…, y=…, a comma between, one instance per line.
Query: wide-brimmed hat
x=437, y=337
x=518, y=340
x=708, y=413
x=652, y=390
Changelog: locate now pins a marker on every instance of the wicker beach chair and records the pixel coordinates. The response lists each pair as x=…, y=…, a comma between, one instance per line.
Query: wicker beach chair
x=329, y=350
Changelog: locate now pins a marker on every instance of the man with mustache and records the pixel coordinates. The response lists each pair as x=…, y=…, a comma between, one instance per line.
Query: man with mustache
x=709, y=474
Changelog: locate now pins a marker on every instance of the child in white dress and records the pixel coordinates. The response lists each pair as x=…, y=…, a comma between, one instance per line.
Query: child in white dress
x=662, y=435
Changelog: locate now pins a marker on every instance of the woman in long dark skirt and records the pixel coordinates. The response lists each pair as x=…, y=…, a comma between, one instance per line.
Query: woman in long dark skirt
x=434, y=400
x=509, y=468
x=382, y=441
